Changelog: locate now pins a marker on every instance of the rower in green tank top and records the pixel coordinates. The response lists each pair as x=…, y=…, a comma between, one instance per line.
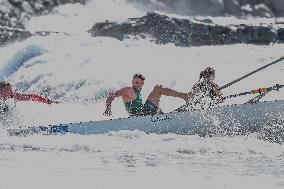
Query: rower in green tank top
x=132, y=99
x=135, y=107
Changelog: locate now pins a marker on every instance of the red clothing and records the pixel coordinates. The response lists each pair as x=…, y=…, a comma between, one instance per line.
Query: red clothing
x=31, y=97
x=7, y=93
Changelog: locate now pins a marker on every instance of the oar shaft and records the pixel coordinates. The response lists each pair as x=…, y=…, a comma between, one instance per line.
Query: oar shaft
x=253, y=72
x=260, y=90
x=235, y=95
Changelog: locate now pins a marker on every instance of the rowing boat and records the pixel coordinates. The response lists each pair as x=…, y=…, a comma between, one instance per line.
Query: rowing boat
x=245, y=118
x=230, y=119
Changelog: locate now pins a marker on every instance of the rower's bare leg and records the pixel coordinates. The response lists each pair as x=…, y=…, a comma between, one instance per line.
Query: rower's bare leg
x=159, y=90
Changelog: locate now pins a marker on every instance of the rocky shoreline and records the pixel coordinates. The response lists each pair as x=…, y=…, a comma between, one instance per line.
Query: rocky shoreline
x=162, y=28
x=188, y=32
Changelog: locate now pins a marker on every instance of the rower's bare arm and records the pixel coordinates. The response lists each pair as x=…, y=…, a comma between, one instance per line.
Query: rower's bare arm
x=193, y=92
x=189, y=96
x=216, y=92
x=124, y=92
x=31, y=97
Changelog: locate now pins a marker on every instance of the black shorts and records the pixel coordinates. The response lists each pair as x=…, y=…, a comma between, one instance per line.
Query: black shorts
x=149, y=108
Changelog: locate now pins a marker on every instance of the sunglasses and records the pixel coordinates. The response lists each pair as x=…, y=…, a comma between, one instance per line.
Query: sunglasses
x=138, y=82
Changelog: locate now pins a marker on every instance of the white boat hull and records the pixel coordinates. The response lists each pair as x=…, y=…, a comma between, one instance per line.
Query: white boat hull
x=219, y=120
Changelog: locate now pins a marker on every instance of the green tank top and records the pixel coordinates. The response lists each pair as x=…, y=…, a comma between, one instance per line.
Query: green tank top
x=135, y=107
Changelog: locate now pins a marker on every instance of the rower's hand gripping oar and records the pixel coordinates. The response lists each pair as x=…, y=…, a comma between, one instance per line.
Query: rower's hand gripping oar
x=256, y=91
x=237, y=80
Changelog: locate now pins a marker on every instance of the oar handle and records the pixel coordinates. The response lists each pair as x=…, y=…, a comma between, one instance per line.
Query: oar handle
x=259, y=90
x=255, y=91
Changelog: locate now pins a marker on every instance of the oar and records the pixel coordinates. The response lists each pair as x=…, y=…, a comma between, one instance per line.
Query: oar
x=239, y=79
x=249, y=74
x=255, y=91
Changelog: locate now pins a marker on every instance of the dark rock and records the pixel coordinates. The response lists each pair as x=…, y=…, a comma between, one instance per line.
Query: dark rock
x=256, y=34
x=281, y=35
x=111, y=29
x=183, y=32
x=8, y=34
x=14, y=12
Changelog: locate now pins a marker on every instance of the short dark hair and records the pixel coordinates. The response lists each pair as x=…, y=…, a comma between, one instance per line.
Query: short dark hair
x=207, y=72
x=140, y=76
x=4, y=84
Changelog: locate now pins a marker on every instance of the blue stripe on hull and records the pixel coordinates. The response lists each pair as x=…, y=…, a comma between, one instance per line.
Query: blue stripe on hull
x=59, y=129
x=55, y=129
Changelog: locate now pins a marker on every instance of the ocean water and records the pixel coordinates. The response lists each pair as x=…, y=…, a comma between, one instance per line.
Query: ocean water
x=79, y=70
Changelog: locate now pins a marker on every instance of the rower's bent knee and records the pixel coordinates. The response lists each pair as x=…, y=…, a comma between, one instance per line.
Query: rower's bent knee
x=158, y=88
